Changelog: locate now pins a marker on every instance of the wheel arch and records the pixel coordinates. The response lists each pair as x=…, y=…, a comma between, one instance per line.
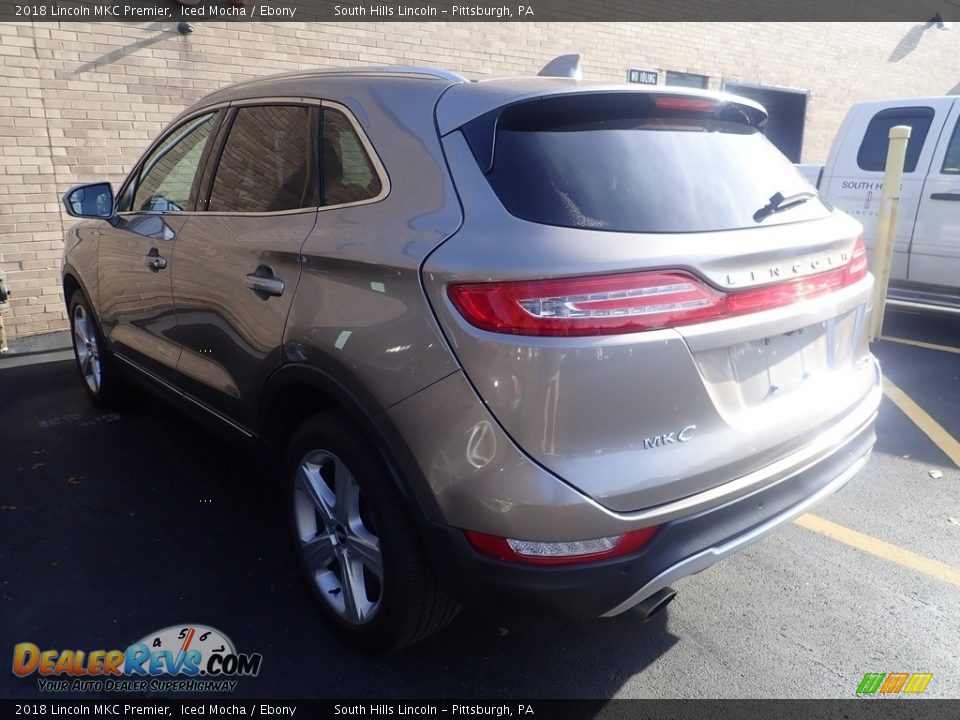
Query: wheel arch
x=72, y=281
x=296, y=392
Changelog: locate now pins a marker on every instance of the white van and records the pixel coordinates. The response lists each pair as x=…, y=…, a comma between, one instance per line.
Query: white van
x=926, y=258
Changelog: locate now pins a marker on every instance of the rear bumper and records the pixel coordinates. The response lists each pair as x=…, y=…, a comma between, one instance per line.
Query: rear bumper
x=683, y=545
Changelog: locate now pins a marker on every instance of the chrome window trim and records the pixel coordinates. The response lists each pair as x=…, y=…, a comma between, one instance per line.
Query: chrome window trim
x=138, y=165
x=372, y=154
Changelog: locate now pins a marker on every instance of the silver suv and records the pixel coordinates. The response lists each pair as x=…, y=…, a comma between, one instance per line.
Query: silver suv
x=535, y=343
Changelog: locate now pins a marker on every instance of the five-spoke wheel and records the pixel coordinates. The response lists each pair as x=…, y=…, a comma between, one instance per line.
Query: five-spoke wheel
x=338, y=537
x=87, y=348
x=97, y=372
x=357, y=539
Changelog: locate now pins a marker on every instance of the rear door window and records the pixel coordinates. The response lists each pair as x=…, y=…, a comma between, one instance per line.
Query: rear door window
x=872, y=155
x=267, y=163
x=621, y=162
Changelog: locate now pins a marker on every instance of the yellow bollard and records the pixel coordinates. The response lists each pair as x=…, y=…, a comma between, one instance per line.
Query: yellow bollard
x=887, y=224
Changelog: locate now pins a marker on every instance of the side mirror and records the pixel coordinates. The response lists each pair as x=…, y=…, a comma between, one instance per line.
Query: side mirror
x=90, y=201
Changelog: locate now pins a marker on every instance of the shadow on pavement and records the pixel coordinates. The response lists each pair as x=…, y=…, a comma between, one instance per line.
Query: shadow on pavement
x=116, y=524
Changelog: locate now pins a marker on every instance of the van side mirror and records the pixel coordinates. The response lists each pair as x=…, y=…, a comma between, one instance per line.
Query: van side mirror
x=90, y=201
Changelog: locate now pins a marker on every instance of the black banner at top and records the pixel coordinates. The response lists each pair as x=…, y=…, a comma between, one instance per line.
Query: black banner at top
x=920, y=11
x=523, y=709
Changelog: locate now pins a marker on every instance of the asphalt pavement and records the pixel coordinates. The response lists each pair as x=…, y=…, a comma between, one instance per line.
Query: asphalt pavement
x=116, y=524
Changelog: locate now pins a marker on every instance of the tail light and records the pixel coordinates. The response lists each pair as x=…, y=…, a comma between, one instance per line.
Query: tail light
x=857, y=267
x=633, y=302
x=685, y=102
x=560, y=553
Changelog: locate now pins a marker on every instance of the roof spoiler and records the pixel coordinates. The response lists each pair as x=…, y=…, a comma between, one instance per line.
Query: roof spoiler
x=564, y=66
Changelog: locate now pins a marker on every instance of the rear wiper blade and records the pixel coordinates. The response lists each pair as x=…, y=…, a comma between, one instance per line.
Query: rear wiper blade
x=780, y=202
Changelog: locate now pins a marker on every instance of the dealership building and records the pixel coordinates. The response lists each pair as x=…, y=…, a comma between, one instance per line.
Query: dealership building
x=80, y=101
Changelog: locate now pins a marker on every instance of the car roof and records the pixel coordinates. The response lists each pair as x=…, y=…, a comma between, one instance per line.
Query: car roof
x=311, y=82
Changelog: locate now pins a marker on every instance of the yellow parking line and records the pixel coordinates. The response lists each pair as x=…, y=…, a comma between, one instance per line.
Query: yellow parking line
x=918, y=343
x=930, y=427
x=885, y=550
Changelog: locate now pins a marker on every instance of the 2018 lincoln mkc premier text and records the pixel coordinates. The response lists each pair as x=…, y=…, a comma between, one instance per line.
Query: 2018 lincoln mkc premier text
x=534, y=343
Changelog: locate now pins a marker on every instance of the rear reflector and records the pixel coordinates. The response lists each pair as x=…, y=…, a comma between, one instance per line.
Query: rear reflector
x=559, y=553
x=634, y=302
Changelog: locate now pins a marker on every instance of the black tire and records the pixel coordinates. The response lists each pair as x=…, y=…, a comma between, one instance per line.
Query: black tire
x=107, y=391
x=409, y=604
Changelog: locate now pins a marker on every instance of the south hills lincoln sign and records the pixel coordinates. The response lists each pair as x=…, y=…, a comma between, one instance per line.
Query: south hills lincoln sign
x=644, y=77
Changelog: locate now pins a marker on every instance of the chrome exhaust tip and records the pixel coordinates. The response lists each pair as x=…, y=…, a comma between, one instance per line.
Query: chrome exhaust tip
x=655, y=603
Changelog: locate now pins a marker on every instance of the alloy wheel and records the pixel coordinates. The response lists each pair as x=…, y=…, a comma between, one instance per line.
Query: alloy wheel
x=88, y=352
x=338, y=537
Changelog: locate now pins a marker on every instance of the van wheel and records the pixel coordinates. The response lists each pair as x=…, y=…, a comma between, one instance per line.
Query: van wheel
x=97, y=373
x=358, y=545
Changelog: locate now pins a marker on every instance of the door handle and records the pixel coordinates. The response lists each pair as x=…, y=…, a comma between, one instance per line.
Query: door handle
x=263, y=282
x=945, y=196
x=154, y=261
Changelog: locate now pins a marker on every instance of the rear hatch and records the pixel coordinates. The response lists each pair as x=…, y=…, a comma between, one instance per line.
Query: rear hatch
x=645, y=293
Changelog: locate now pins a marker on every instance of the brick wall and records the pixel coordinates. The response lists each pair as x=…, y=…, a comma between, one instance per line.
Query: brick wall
x=78, y=102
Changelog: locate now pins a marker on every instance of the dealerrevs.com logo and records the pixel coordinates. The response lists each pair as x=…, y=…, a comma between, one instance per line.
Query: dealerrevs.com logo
x=180, y=658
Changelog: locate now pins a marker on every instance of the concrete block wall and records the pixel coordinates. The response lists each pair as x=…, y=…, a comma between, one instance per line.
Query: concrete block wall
x=80, y=101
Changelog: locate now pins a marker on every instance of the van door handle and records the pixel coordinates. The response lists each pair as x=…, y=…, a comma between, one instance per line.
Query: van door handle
x=945, y=196
x=154, y=261
x=263, y=282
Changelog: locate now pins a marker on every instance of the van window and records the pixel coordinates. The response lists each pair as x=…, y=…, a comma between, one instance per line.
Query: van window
x=622, y=162
x=951, y=159
x=266, y=165
x=872, y=155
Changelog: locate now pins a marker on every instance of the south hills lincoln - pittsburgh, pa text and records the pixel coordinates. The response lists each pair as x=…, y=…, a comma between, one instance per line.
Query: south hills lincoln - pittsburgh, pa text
x=458, y=11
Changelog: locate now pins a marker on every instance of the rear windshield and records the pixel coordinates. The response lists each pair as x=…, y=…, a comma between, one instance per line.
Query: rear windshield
x=619, y=162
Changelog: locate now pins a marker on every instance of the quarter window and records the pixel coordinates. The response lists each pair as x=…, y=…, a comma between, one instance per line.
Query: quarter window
x=167, y=175
x=266, y=163
x=348, y=174
x=872, y=155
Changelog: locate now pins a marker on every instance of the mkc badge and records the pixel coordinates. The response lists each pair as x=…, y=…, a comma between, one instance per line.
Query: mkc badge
x=669, y=438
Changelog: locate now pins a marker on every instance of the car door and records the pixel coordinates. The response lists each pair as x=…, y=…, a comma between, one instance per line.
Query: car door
x=935, y=250
x=239, y=262
x=855, y=184
x=136, y=256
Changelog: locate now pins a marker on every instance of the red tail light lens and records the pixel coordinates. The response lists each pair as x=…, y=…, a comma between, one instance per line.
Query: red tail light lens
x=606, y=304
x=560, y=553
x=634, y=302
x=682, y=102
x=857, y=267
